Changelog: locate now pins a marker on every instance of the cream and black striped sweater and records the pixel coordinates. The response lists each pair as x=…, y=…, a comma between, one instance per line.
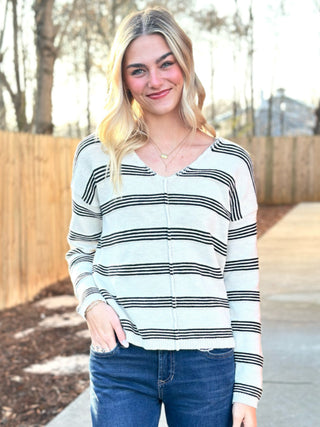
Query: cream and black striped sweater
x=175, y=256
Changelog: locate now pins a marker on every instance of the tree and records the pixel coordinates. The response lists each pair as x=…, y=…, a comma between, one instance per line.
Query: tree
x=16, y=88
x=46, y=55
x=2, y=105
x=251, y=63
x=238, y=32
x=47, y=38
x=49, y=41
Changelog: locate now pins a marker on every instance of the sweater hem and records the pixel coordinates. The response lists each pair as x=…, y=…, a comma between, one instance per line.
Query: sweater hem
x=179, y=344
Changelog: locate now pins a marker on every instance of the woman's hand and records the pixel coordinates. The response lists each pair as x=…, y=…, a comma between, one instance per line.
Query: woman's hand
x=243, y=415
x=104, y=324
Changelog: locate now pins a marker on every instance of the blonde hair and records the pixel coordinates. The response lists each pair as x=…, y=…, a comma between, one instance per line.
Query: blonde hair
x=123, y=129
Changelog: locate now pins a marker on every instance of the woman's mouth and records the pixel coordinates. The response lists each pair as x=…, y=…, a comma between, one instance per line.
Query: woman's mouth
x=158, y=95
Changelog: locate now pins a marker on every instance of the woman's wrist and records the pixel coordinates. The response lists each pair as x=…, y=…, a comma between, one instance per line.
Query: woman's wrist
x=92, y=305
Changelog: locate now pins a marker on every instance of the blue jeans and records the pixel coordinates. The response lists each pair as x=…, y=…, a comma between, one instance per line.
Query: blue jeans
x=128, y=386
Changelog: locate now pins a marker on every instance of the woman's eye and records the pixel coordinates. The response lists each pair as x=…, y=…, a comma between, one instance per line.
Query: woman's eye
x=137, y=72
x=166, y=64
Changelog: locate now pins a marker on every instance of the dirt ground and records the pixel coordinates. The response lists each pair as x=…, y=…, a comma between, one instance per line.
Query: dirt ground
x=32, y=400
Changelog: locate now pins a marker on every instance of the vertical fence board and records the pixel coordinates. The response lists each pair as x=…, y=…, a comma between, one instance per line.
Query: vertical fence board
x=258, y=159
x=282, y=171
x=35, y=202
x=316, y=169
x=301, y=169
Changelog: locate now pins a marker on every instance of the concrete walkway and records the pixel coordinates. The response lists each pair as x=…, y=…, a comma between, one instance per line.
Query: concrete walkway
x=290, y=288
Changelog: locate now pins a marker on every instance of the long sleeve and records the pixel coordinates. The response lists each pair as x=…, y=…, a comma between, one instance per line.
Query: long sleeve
x=242, y=284
x=84, y=232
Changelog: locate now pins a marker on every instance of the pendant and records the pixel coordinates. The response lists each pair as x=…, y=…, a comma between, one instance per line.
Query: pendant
x=163, y=156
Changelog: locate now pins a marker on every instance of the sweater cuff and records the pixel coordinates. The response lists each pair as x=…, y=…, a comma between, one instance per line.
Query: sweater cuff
x=96, y=296
x=246, y=399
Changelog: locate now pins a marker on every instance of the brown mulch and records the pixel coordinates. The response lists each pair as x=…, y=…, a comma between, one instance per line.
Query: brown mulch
x=32, y=400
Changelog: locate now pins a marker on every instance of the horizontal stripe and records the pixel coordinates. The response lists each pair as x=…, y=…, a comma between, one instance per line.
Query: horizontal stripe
x=162, y=233
x=88, y=292
x=136, y=170
x=244, y=296
x=243, y=264
x=167, y=301
x=74, y=252
x=243, y=326
x=250, y=358
x=82, y=211
x=173, y=334
x=247, y=389
x=165, y=199
x=82, y=258
x=79, y=278
x=240, y=233
x=83, y=237
x=173, y=302
x=158, y=268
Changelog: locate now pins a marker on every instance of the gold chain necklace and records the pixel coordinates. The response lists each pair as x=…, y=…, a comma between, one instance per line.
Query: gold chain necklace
x=164, y=156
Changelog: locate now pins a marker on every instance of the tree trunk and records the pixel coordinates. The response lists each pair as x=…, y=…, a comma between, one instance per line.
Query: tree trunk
x=3, y=121
x=270, y=116
x=88, y=62
x=251, y=53
x=18, y=98
x=46, y=56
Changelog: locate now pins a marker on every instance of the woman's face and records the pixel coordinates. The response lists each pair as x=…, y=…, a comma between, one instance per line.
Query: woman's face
x=153, y=76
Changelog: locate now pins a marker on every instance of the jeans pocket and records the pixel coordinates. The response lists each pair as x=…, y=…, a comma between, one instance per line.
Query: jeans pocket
x=97, y=351
x=219, y=353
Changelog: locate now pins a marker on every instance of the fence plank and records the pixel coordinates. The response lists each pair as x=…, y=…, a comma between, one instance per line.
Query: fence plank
x=282, y=171
x=316, y=169
x=35, y=173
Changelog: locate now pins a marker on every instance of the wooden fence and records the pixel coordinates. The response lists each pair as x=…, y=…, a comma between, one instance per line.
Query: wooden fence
x=286, y=168
x=35, y=174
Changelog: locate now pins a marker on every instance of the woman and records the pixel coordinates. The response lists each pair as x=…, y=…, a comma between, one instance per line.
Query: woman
x=163, y=245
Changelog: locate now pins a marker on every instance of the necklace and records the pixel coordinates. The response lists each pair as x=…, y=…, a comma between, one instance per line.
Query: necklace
x=165, y=156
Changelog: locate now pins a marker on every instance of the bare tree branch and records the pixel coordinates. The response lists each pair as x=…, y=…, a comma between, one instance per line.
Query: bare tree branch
x=6, y=84
x=3, y=25
x=61, y=30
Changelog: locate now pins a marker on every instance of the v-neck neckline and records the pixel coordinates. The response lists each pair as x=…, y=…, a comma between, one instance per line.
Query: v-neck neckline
x=177, y=173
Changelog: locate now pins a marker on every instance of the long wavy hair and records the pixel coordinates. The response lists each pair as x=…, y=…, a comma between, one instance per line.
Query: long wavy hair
x=123, y=129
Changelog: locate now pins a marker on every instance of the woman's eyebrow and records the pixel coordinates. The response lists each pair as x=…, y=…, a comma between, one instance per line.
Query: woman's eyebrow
x=163, y=57
x=138, y=65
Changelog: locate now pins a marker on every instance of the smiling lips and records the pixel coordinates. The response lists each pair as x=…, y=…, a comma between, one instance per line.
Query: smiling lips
x=158, y=95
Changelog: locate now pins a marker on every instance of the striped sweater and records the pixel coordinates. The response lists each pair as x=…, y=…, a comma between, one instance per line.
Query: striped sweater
x=176, y=257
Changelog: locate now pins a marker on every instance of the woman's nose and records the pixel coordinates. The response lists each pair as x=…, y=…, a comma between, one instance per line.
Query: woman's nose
x=154, y=78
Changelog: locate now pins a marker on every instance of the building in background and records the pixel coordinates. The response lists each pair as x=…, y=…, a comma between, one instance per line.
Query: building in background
x=282, y=115
x=279, y=115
